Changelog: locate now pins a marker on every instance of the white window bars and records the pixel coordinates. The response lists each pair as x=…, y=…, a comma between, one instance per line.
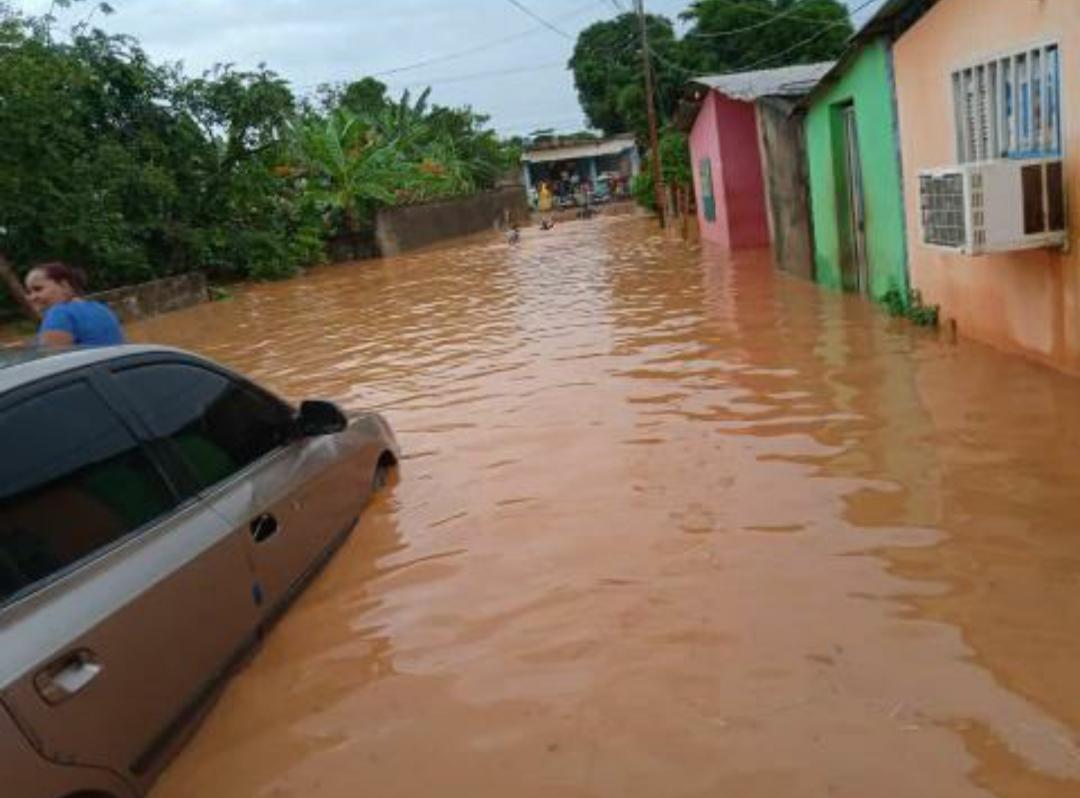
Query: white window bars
x=1009, y=107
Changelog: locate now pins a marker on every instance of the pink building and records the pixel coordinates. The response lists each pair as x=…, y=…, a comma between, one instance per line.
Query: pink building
x=728, y=152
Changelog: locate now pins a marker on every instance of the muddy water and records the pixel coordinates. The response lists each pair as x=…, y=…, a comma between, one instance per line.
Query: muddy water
x=668, y=525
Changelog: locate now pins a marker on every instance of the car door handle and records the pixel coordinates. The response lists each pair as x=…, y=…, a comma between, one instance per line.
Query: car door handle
x=68, y=676
x=264, y=527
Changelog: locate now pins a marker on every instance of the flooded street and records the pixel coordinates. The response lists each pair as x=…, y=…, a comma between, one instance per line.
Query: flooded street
x=668, y=524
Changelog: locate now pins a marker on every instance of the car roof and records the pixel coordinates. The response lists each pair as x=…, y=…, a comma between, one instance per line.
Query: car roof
x=22, y=365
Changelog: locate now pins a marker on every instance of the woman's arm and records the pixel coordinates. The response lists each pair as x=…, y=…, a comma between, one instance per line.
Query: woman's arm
x=57, y=328
x=55, y=338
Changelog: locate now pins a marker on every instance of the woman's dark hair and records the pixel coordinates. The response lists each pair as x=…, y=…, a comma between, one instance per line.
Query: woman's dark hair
x=60, y=272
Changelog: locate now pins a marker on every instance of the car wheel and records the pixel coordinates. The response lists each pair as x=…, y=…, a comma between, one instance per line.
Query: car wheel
x=381, y=478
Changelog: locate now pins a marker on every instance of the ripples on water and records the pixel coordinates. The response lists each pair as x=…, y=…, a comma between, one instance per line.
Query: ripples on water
x=669, y=524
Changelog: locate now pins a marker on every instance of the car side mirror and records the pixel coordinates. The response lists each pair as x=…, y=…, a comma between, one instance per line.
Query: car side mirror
x=320, y=418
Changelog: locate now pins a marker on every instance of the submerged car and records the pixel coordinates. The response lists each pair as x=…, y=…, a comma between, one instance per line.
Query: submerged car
x=157, y=511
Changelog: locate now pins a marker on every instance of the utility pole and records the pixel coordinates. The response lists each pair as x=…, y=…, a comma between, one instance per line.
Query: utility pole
x=654, y=139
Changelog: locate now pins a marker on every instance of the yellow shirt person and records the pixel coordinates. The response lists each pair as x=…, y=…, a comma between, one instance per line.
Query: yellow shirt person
x=545, y=198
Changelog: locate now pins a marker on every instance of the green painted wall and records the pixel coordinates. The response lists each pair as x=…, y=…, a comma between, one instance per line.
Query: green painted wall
x=866, y=84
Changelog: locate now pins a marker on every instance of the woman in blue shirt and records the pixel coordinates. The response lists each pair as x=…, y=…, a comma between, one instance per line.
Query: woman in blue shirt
x=55, y=289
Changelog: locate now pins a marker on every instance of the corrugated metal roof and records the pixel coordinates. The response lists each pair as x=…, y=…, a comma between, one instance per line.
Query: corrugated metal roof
x=589, y=149
x=789, y=81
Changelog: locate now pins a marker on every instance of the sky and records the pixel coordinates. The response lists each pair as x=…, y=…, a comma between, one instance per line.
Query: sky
x=489, y=54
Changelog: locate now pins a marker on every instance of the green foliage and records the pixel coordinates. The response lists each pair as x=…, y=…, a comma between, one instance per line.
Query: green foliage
x=395, y=153
x=771, y=33
x=133, y=170
x=911, y=307
x=643, y=188
x=675, y=168
x=724, y=36
x=607, y=70
x=220, y=294
x=675, y=158
x=364, y=96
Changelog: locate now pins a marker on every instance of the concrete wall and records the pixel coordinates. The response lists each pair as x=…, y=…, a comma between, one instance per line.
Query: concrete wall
x=158, y=296
x=402, y=229
x=866, y=83
x=725, y=132
x=1022, y=301
x=783, y=150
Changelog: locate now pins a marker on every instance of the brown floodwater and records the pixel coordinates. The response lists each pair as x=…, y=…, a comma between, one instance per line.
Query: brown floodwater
x=668, y=524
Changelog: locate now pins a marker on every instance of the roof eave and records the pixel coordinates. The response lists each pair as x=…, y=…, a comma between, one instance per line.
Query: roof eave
x=891, y=21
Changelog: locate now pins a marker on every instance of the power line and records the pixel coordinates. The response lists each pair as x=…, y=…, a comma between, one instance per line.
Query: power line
x=463, y=53
x=481, y=47
x=491, y=73
x=526, y=10
x=756, y=26
x=746, y=67
x=672, y=64
x=825, y=29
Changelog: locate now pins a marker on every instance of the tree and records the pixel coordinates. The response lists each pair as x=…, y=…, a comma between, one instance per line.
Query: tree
x=364, y=96
x=132, y=170
x=346, y=168
x=734, y=35
x=674, y=164
x=725, y=36
x=608, y=72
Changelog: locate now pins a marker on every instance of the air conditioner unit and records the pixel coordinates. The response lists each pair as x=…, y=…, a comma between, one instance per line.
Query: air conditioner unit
x=993, y=206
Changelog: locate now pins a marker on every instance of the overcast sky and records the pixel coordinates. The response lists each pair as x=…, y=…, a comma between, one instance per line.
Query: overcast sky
x=490, y=54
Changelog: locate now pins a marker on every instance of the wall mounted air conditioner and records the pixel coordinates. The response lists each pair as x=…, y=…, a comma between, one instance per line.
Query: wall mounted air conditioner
x=993, y=206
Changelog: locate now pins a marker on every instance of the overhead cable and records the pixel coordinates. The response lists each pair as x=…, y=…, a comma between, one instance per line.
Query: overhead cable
x=789, y=13
x=528, y=11
x=481, y=47
x=491, y=73
x=825, y=29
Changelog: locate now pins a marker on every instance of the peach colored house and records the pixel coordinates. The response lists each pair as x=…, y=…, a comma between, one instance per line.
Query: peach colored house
x=988, y=94
x=726, y=155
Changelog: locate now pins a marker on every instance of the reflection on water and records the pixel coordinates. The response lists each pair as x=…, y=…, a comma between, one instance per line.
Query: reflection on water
x=669, y=524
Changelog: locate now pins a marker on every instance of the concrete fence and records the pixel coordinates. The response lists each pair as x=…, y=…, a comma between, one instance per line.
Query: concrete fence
x=402, y=229
x=134, y=302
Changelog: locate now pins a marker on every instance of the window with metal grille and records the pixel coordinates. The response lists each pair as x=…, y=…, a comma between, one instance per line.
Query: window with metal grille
x=942, y=204
x=1009, y=107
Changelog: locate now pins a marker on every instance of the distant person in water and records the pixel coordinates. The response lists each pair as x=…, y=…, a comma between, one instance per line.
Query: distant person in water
x=55, y=290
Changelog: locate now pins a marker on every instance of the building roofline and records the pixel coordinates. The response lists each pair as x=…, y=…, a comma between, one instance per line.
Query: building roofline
x=890, y=21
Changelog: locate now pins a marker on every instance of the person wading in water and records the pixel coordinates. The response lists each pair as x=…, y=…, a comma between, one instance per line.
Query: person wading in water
x=55, y=290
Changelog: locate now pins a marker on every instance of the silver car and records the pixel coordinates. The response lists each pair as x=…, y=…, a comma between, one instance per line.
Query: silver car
x=157, y=512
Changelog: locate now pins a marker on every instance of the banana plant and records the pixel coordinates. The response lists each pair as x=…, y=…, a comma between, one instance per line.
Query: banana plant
x=345, y=165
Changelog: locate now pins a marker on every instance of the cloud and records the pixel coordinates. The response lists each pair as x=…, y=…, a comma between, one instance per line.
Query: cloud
x=315, y=41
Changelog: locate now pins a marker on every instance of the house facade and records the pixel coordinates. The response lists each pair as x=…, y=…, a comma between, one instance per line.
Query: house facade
x=855, y=175
x=986, y=96
x=607, y=166
x=747, y=157
x=728, y=180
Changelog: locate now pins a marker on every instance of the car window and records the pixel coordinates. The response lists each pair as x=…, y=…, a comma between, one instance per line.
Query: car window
x=72, y=481
x=217, y=425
